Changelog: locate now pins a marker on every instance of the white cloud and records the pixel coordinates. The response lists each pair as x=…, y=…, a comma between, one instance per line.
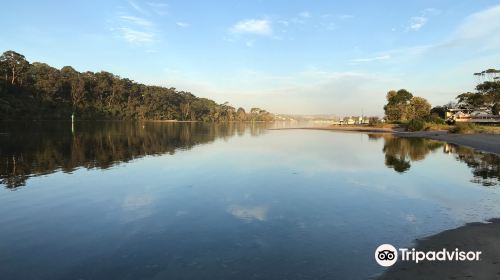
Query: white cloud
x=137, y=20
x=137, y=7
x=136, y=29
x=148, y=8
x=417, y=22
x=136, y=36
x=431, y=12
x=396, y=56
x=183, y=24
x=481, y=29
x=376, y=58
x=253, y=26
x=158, y=7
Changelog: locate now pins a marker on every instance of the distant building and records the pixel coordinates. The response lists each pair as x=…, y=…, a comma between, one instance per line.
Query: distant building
x=471, y=116
x=351, y=120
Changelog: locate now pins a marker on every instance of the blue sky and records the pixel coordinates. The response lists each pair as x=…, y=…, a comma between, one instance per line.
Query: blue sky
x=304, y=57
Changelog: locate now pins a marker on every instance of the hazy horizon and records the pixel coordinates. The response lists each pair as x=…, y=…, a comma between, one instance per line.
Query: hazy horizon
x=286, y=57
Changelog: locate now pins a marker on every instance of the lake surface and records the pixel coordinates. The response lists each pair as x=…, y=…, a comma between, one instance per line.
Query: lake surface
x=114, y=200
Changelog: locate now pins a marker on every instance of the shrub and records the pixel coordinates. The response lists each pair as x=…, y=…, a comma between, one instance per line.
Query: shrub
x=375, y=122
x=401, y=122
x=435, y=119
x=464, y=128
x=415, y=125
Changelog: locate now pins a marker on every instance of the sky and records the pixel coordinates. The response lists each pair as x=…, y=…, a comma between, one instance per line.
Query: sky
x=286, y=56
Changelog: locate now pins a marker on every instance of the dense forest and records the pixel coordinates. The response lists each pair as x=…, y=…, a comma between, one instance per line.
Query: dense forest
x=39, y=91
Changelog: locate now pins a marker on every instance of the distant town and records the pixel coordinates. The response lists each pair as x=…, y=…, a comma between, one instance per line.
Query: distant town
x=326, y=119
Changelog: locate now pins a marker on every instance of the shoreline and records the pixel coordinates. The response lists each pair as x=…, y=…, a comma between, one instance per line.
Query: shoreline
x=484, y=142
x=343, y=128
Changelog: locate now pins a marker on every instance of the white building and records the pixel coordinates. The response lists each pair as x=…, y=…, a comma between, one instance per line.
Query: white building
x=478, y=116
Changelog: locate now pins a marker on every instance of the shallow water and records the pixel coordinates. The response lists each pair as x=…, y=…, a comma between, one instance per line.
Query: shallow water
x=114, y=200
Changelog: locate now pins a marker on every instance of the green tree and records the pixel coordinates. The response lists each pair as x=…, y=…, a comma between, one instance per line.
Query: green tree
x=487, y=94
x=241, y=114
x=397, y=107
x=45, y=81
x=101, y=95
x=16, y=65
x=439, y=111
x=77, y=91
x=495, y=109
x=419, y=108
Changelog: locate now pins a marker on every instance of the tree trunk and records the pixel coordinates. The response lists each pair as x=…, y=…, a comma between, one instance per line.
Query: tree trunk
x=13, y=76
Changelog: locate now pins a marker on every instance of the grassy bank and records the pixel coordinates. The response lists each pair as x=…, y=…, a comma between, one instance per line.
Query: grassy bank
x=459, y=128
x=470, y=128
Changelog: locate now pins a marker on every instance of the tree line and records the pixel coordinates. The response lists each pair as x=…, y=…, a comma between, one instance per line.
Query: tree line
x=38, y=91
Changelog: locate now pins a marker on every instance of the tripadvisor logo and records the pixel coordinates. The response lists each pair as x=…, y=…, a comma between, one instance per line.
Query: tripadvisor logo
x=387, y=255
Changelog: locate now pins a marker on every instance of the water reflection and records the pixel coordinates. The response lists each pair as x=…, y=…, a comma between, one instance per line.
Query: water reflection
x=485, y=167
x=28, y=149
x=400, y=153
x=289, y=204
x=253, y=213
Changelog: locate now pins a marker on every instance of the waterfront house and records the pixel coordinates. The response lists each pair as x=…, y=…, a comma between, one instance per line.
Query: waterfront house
x=472, y=116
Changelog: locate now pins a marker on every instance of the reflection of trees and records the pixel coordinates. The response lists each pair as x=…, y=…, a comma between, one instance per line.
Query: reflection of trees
x=485, y=167
x=30, y=150
x=400, y=152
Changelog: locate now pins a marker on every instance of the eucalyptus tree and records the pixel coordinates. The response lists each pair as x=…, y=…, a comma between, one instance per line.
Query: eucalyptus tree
x=40, y=91
x=16, y=66
x=487, y=94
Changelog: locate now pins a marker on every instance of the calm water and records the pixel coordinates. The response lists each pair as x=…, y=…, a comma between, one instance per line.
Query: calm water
x=199, y=201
